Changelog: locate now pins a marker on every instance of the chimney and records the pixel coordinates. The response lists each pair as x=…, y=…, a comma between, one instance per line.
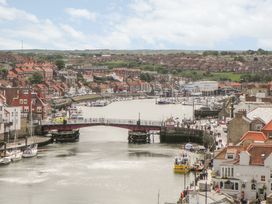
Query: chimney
x=240, y=113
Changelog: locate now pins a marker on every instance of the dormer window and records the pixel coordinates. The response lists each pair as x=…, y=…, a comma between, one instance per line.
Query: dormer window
x=230, y=156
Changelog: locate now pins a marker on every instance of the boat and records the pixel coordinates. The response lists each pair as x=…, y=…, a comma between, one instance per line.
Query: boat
x=99, y=103
x=163, y=101
x=198, y=166
x=5, y=160
x=15, y=155
x=182, y=164
x=66, y=136
x=30, y=151
x=188, y=147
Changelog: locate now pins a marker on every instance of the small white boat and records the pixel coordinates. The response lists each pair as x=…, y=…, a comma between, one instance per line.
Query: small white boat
x=5, y=160
x=30, y=151
x=189, y=146
x=15, y=155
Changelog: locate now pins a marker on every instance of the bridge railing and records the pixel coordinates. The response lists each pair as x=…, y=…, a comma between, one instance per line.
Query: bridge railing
x=107, y=121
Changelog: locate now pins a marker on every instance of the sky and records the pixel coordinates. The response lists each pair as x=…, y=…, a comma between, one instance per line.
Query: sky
x=136, y=24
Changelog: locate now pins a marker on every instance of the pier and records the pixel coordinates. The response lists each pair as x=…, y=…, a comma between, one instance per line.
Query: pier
x=22, y=143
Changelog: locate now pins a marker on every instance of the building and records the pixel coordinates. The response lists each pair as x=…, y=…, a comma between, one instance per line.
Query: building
x=127, y=72
x=26, y=98
x=267, y=129
x=262, y=112
x=204, y=87
x=244, y=172
x=241, y=124
x=234, y=133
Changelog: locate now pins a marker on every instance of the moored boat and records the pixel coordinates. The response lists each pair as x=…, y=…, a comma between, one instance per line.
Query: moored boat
x=15, y=155
x=182, y=164
x=30, y=151
x=198, y=166
x=5, y=160
x=66, y=136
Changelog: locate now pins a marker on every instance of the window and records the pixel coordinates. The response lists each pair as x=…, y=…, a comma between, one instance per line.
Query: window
x=270, y=174
x=39, y=109
x=26, y=109
x=230, y=156
x=223, y=172
x=229, y=185
x=21, y=101
x=231, y=172
x=25, y=101
x=253, y=186
x=221, y=184
x=270, y=135
x=271, y=186
x=236, y=186
x=262, y=178
x=228, y=171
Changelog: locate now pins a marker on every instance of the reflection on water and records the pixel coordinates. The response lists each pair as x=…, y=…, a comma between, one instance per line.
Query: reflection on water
x=139, y=153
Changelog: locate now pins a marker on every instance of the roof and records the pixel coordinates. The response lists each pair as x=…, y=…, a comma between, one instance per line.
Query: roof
x=258, y=153
x=268, y=126
x=265, y=113
x=229, y=149
x=254, y=135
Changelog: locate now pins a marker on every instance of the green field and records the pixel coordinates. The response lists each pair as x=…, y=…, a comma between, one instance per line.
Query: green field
x=216, y=76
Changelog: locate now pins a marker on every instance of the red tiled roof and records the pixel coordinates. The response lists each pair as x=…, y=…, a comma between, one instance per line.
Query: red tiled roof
x=229, y=149
x=258, y=153
x=268, y=126
x=254, y=135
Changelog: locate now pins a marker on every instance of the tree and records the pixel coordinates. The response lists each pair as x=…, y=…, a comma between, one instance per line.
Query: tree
x=60, y=64
x=146, y=77
x=36, y=78
x=3, y=72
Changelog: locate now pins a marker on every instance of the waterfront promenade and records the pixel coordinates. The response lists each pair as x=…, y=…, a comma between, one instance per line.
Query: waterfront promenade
x=21, y=143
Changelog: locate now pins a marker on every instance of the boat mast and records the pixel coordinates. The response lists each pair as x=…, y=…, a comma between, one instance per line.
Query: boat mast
x=15, y=125
x=31, y=116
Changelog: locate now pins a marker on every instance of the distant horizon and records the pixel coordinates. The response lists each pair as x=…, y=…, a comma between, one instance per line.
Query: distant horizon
x=125, y=50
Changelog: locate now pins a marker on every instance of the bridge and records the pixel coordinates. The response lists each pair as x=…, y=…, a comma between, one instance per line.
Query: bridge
x=134, y=125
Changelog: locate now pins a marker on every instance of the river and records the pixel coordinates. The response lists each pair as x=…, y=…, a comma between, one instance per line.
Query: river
x=102, y=167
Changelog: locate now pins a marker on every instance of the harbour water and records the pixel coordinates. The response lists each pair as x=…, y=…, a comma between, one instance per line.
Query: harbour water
x=102, y=167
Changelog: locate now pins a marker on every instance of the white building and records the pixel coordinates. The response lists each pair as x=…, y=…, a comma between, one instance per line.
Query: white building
x=2, y=127
x=244, y=171
x=12, y=115
x=201, y=86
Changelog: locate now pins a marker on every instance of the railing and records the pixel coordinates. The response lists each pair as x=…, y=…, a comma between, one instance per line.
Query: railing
x=107, y=121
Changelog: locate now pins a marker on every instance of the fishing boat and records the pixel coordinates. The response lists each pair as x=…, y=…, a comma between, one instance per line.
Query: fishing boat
x=182, y=164
x=30, y=151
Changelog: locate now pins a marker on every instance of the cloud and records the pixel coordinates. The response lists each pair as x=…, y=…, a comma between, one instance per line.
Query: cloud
x=72, y=32
x=12, y=14
x=195, y=24
x=81, y=13
x=148, y=24
x=4, y=2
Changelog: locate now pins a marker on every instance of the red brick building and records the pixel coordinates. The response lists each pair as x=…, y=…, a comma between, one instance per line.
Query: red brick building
x=24, y=97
